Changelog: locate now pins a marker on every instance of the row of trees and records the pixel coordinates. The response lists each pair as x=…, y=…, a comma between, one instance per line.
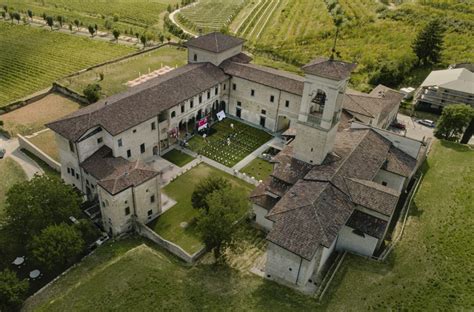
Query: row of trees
x=34, y=221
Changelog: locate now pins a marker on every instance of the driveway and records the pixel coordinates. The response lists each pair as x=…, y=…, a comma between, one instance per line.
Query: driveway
x=413, y=129
x=12, y=148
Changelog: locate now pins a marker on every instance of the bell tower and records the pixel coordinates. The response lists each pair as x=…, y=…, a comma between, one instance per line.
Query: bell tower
x=321, y=107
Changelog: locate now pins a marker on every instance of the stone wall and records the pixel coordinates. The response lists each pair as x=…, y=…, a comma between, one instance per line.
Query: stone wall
x=145, y=231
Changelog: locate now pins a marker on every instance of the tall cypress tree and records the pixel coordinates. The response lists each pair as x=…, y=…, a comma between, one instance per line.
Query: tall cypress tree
x=429, y=43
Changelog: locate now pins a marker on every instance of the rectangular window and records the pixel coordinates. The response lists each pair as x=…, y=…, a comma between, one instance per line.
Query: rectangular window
x=73, y=172
x=71, y=146
x=68, y=170
x=191, y=104
x=208, y=95
x=142, y=148
x=99, y=140
x=223, y=86
x=182, y=109
x=234, y=86
x=134, y=130
x=272, y=98
x=152, y=199
x=153, y=126
x=287, y=103
x=200, y=99
x=77, y=176
x=120, y=143
x=252, y=92
x=239, y=103
x=129, y=153
x=87, y=182
x=150, y=212
x=127, y=211
x=264, y=112
x=216, y=90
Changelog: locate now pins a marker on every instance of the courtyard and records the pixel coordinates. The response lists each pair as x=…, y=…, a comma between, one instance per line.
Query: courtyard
x=229, y=141
x=178, y=223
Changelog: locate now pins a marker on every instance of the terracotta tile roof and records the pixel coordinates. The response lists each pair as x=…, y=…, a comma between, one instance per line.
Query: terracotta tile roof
x=287, y=168
x=241, y=58
x=214, y=42
x=270, y=77
x=400, y=162
x=373, y=195
x=331, y=69
x=263, y=198
x=367, y=224
x=125, y=110
x=302, y=230
x=116, y=174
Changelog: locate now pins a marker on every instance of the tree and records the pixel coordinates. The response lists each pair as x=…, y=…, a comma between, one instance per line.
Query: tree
x=216, y=225
x=468, y=133
x=30, y=14
x=5, y=8
x=50, y=21
x=206, y=187
x=454, y=119
x=33, y=205
x=168, y=38
x=429, y=42
x=87, y=229
x=4, y=15
x=143, y=40
x=91, y=30
x=116, y=34
x=44, y=16
x=60, y=20
x=12, y=290
x=161, y=37
x=77, y=23
x=17, y=16
x=96, y=27
x=57, y=245
x=70, y=27
x=92, y=92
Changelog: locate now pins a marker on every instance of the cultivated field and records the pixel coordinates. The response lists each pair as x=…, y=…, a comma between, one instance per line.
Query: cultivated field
x=136, y=15
x=210, y=15
x=118, y=74
x=31, y=59
x=34, y=116
x=431, y=268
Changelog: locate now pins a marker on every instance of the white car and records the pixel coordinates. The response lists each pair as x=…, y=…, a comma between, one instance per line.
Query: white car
x=427, y=122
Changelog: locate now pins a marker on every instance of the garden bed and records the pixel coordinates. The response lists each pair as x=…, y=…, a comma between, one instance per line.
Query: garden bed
x=244, y=139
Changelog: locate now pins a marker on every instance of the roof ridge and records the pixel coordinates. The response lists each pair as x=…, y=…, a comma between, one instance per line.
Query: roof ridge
x=382, y=188
x=358, y=105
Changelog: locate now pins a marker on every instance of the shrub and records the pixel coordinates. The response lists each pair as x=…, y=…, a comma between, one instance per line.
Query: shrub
x=92, y=92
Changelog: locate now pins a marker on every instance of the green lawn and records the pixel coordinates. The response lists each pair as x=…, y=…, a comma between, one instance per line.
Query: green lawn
x=178, y=158
x=258, y=168
x=131, y=276
x=46, y=142
x=244, y=140
x=432, y=266
x=11, y=173
x=118, y=74
x=31, y=59
x=168, y=225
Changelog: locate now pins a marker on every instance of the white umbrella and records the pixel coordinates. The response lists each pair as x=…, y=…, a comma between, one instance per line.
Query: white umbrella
x=34, y=274
x=19, y=260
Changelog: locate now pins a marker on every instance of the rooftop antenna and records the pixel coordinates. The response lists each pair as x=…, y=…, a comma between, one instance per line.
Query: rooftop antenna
x=333, y=50
x=338, y=20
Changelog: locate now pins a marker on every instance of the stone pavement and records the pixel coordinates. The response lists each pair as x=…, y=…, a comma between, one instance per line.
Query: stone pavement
x=12, y=148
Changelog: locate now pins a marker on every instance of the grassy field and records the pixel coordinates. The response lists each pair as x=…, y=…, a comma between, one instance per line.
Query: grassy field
x=137, y=15
x=258, y=168
x=11, y=173
x=210, y=15
x=46, y=141
x=373, y=34
x=34, y=116
x=31, y=59
x=431, y=268
x=244, y=140
x=118, y=74
x=178, y=158
x=169, y=224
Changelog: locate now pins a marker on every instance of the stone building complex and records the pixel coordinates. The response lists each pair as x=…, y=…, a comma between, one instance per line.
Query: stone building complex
x=335, y=185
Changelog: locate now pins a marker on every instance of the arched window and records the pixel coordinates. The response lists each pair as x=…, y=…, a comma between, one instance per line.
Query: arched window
x=319, y=99
x=173, y=114
x=195, y=57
